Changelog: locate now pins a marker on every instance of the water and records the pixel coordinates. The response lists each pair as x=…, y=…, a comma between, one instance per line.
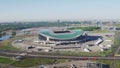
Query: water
x=6, y=37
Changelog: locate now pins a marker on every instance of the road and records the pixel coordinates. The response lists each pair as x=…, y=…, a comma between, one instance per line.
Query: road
x=15, y=53
x=118, y=49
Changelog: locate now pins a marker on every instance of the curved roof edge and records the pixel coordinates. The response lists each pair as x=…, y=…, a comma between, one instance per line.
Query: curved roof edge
x=62, y=36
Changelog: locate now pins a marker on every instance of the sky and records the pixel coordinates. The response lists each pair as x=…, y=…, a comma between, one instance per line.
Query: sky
x=39, y=10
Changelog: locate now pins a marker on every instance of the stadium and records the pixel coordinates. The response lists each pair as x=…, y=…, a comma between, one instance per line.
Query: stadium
x=66, y=36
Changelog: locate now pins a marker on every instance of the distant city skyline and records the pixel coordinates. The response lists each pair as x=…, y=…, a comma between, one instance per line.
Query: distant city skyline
x=41, y=10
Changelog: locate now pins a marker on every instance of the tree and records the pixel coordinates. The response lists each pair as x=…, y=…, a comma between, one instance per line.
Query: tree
x=0, y=34
x=4, y=33
x=13, y=33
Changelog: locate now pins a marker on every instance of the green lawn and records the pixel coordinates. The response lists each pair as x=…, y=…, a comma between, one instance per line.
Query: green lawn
x=100, y=31
x=32, y=62
x=37, y=61
x=5, y=60
x=86, y=28
x=28, y=62
x=116, y=43
x=80, y=53
x=6, y=45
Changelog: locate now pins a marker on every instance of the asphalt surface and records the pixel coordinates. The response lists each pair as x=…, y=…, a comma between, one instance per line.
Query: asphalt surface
x=15, y=53
x=119, y=43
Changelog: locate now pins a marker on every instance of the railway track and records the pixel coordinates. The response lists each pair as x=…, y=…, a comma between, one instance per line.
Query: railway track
x=15, y=53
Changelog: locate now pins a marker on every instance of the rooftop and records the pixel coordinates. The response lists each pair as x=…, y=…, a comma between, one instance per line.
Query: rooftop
x=62, y=34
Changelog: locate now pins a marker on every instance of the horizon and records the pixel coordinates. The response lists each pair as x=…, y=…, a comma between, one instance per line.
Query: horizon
x=52, y=10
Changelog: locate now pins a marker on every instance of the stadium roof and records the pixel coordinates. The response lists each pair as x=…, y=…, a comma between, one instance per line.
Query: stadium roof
x=70, y=35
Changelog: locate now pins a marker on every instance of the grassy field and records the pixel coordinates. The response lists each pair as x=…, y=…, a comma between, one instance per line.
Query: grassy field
x=100, y=31
x=105, y=53
x=6, y=45
x=116, y=43
x=5, y=60
x=28, y=62
x=32, y=62
x=86, y=28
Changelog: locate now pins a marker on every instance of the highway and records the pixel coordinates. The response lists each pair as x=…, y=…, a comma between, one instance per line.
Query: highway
x=8, y=53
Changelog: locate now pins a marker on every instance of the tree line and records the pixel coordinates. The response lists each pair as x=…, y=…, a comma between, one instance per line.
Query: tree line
x=24, y=25
x=89, y=28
